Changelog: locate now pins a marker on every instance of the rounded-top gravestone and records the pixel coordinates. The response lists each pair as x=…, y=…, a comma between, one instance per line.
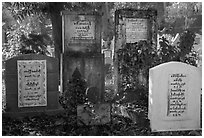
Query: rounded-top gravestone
x=174, y=97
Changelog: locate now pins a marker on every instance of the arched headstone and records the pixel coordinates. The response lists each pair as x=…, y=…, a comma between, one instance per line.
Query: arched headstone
x=174, y=97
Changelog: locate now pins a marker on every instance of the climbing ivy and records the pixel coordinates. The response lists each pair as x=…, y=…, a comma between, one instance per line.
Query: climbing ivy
x=135, y=60
x=187, y=54
x=182, y=51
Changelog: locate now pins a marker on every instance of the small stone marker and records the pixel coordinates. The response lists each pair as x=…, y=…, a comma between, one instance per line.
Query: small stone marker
x=174, y=97
x=99, y=114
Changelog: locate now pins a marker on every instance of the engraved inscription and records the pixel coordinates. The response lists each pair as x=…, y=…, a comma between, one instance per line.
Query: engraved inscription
x=177, y=97
x=32, y=83
x=136, y=30
x=83, y=28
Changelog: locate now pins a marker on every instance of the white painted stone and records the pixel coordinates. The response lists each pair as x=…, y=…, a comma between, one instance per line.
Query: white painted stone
x=170, y=85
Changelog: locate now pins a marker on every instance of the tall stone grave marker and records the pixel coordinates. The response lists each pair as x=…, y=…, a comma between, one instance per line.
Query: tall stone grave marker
x=132, y=26
x=81, y=50
x=174, y=97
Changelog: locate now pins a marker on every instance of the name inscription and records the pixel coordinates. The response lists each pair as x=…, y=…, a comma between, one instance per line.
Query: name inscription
x=177, y=97
x=83, y=29
x=136, y=30
x=32, y=83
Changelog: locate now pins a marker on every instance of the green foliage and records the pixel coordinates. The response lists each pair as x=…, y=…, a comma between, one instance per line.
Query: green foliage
x=135, y=5
x=22, y=10
x=182, y=52
x=34, y=44
x=22, y=39
x=22, y=30
x=11, y=47
x=167, y=52
x=182, y=9
x=136, y=59
x=74, y=93
x=186, y=42
x=133, y=58
x=187, y=55
x=182, y=15
x=3, y=92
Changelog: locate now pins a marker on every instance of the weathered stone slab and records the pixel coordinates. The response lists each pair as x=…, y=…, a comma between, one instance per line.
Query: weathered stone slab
x=97, y=115
x=174, y=97
x=91, y=69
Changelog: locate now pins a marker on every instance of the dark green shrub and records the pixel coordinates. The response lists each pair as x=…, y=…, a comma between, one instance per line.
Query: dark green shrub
x=74, y=93
x=134, y=61
x=34, y=43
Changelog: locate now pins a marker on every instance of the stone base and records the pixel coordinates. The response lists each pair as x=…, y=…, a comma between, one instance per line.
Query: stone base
x=99, y=114
x=19, y=115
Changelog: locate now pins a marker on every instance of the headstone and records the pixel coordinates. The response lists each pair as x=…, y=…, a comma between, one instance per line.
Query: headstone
x=135, y=25
x=132, y=26
x=82, y=32
x=32, y=85
x=174, y=97
x=82, y=48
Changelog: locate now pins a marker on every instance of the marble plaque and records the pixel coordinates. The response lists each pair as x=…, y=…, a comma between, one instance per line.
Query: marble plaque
x=32, y=83
x=136, y=29
x=82, y=28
